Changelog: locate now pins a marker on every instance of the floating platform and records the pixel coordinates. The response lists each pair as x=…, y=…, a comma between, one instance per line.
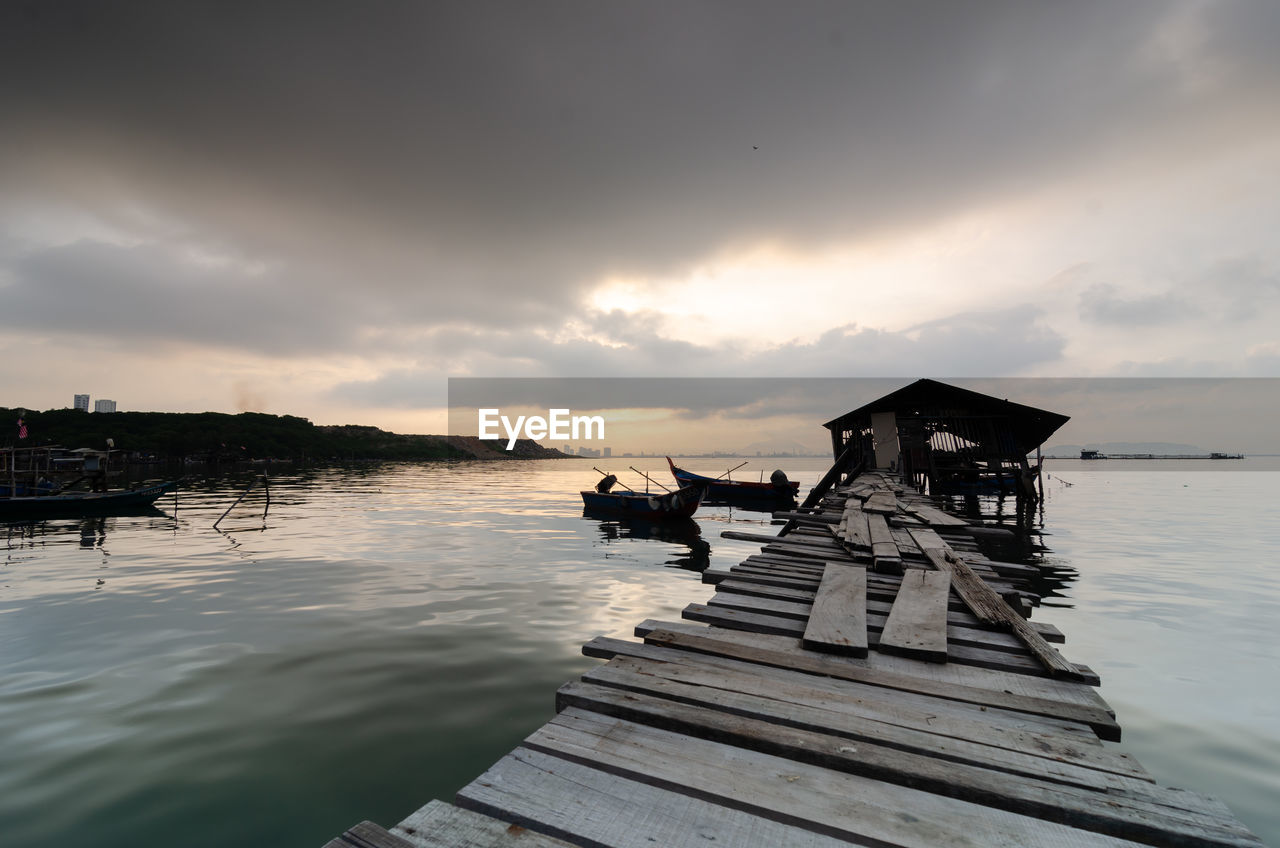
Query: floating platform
x=868, y=677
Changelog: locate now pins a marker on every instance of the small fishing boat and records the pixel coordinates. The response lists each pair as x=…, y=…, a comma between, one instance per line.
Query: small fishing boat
x=83, y=503
x=33, y=484
x=682, y=503
x=730, y=491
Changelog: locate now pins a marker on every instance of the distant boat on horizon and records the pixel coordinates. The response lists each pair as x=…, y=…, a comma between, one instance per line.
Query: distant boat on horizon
x=1097, y=454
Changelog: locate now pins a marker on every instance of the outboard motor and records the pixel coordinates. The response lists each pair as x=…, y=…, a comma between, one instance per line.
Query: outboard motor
x=779, y=479
x=606, y=484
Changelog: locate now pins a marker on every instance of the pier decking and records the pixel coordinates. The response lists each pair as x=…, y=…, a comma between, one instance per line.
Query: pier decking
x=865, y=678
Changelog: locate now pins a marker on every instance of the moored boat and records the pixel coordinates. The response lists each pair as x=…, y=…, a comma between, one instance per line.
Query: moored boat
x=681, y=503
x=33, y=483
x=83, y=503
x=778, y=486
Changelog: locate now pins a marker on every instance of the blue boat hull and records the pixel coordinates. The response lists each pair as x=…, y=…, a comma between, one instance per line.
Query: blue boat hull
x=83, y=503
x=679, y=504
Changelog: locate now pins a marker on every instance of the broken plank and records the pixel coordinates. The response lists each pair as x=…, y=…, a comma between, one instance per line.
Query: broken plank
x=917, y=624
x=838, y=618
x=989, y=607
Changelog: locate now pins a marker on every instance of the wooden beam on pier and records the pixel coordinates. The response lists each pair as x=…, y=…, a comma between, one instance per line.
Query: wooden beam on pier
x=989, y=607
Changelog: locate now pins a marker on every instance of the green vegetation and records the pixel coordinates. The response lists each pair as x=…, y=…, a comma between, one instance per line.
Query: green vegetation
x=216, y=435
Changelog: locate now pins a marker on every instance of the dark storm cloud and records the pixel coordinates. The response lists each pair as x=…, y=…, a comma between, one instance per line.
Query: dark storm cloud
x=485, y=162
x=146, y=294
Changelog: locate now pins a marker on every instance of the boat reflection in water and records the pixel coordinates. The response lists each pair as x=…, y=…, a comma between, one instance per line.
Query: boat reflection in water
x=680, y=532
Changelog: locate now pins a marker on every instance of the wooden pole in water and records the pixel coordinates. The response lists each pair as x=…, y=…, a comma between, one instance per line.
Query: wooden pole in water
x=247, y=490
x=1040, y=473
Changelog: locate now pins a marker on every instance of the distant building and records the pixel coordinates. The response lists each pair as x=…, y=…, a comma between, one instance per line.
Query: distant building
x=103, y=405
x=608, y=451
x=82, y=403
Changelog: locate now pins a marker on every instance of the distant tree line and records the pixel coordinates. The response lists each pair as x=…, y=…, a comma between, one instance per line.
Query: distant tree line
x=218, y=436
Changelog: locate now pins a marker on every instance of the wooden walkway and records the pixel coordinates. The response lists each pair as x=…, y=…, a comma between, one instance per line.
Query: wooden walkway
x=866, y=678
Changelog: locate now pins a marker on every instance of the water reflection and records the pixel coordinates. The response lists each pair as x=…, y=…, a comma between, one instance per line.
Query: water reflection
x=683, y=532
x=1023, y=544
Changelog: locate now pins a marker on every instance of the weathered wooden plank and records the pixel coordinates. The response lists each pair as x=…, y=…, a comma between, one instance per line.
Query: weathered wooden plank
x=713, y=576
x=883, y=503
x=861, y=691
x=798, y=558
x=815, y=798
x=795, y=569
x=994, y=738
x=1026, y=693
x=838, y=616
x=934, y=517
x=881, y=591
x=808, y=517
x=959, y=629
x=859, y=535
x=441, y=825
x=883, y=548
x=917, y=624
x=740, y=536
x=1114, y=812
x=906, y=547
x=587, y=806
x=765, y=623
x=766, y=563
x=811, y=568
x=990, y=607
x=368, y=835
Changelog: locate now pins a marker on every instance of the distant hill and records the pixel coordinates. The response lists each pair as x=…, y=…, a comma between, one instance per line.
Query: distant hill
x=249, y=435
x=1157, y=448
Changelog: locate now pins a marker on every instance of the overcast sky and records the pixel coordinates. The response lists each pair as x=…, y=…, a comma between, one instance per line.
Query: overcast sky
x=327, y=209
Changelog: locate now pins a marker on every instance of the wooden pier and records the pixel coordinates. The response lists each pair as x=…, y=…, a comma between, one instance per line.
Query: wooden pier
x=867, y=678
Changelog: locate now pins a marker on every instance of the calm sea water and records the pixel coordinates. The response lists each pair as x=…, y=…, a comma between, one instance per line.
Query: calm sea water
x=388, y=632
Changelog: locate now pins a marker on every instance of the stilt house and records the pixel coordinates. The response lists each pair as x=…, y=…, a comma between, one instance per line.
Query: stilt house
x=953, y=440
